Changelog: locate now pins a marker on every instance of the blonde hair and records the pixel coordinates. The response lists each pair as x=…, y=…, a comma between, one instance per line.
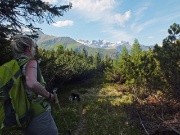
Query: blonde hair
x=20, y=43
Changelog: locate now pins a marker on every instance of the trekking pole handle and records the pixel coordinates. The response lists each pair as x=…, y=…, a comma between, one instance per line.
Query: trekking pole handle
x=55, y=95
x=56, y=98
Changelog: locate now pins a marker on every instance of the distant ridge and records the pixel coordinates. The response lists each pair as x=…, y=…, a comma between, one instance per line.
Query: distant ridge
x=50, y=42
x=93, y=47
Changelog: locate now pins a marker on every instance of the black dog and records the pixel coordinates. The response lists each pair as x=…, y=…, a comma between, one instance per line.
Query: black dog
x=74, y=97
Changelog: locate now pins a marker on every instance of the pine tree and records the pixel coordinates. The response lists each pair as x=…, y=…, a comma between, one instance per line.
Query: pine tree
x=133, y=70
x=13, y=14
x=84, y=54
x=136, y=48
x=169, y=57
x=121, y=64
x=97, y=61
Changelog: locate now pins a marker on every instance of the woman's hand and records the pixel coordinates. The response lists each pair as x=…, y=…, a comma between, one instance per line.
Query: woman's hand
x=51, y=97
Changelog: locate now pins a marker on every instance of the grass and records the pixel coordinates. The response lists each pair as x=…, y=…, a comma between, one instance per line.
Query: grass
x=100, y=111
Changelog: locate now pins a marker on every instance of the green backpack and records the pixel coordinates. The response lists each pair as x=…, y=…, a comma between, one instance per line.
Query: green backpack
x=14, y=104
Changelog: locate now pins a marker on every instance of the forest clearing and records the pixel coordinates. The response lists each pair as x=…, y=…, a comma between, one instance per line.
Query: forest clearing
x=111, y=109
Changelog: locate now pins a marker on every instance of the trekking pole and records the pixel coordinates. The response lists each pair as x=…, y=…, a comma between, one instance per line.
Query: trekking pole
x=57, y=102
x=56, y=98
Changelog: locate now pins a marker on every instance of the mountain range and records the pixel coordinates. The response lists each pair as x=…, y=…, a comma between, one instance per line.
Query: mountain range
x=108, y=45
x=93, y=47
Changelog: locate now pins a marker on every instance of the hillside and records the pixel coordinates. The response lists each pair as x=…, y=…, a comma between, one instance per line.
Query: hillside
x=49, y=42
x=102, y=47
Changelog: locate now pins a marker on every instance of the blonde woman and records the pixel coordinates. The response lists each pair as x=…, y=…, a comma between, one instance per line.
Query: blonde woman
x=42, y=122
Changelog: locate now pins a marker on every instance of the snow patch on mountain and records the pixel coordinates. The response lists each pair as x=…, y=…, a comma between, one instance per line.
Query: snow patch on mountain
x=105, y=44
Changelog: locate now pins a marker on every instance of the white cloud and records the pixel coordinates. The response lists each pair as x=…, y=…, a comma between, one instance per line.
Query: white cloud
x=63, y=23
x=172, y=16
x=92, y=5
x=121, y=19
x=100, y=10
x=139, y=13
x=137, y=27
x=93, y=10
x=119, y=35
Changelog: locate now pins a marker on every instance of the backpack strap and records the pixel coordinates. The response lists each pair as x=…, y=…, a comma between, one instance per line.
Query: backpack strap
x=38, y=73
x=40, y=79
x=22, y=62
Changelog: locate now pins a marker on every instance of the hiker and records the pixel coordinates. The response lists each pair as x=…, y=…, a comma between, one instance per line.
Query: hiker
x=42, y=122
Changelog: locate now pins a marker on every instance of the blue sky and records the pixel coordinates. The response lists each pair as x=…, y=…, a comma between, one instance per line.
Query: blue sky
x=116, y=20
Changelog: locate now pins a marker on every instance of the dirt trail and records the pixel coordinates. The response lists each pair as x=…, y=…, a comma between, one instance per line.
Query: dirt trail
x=81, y=124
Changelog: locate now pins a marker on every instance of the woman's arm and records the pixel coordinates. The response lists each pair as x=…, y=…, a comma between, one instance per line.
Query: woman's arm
x=31, y=80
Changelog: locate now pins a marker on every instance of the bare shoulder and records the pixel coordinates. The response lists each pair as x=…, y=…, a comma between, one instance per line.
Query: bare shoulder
x=32, y=64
